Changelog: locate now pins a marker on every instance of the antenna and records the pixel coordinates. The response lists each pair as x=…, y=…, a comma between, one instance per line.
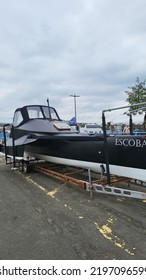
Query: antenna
x=49, y=108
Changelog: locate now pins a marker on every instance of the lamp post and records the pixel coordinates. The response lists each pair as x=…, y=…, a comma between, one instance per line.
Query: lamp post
x=75, y=106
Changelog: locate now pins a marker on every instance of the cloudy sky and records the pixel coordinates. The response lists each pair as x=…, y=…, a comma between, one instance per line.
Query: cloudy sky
x=55, y=48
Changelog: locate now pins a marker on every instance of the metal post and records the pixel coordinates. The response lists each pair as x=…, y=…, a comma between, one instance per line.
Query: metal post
x=4, y=133
x=75, y=106
x=13, y=144
x=106, y=149
x=130, y=124
x=90, y=183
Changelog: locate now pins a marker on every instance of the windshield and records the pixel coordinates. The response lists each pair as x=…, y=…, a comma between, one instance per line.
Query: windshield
x=40, y=112
x=34, y=112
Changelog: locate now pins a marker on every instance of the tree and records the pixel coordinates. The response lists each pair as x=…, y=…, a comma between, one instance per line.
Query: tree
x=137, y=93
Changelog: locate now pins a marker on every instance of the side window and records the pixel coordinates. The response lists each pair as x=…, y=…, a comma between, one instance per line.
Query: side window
x=46, y=112
x=52, y=112
x=17, y=118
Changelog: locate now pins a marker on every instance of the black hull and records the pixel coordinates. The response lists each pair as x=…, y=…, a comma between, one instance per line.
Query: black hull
x=93, y=151
x=122, y=150
x=126, y=154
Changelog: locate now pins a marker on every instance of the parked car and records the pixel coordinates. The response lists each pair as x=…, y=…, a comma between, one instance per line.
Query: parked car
x=92, y=129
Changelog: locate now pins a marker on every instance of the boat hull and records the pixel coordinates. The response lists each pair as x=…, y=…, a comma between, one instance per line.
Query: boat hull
x=126, y=154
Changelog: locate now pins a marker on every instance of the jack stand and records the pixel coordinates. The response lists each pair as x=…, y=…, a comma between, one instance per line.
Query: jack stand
x=90, y=188
x=102, y=171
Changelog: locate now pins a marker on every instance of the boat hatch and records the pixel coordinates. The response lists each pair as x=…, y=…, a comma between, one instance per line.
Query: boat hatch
x=62, y=126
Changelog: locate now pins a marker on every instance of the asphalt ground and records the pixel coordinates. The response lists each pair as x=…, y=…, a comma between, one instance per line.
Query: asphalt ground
x=44, y=218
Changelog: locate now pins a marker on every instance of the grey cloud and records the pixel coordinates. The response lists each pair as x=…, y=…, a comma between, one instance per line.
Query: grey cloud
x=54, y=48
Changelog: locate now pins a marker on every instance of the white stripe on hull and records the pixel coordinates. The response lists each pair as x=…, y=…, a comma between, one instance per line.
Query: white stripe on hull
x=134, y=173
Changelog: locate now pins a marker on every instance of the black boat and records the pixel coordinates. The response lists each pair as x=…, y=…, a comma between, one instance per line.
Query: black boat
x=38, y=132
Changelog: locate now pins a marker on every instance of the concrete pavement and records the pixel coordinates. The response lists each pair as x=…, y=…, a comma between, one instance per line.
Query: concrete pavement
x=43, y=218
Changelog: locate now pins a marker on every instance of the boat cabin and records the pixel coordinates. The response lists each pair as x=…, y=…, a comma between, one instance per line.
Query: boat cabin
x=30, y=112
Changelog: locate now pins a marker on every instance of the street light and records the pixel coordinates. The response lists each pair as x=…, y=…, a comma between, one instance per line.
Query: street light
x=75, y=96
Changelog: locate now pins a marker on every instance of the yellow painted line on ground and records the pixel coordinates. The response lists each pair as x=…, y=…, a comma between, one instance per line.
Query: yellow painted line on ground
x=107, y=233
x=76, y=213
x=51, y=193
x=105, y=229
x=110, y=220
x=36, y=184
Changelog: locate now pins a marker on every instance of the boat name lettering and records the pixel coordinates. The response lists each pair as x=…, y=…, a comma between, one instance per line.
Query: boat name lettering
x=130, y=142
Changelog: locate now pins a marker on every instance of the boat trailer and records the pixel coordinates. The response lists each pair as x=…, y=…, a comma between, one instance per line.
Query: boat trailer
x=87, y=180
x=83, y=179
x=92, y=185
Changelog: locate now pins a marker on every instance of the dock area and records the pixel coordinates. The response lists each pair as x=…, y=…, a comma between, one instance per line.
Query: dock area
x=45, y=218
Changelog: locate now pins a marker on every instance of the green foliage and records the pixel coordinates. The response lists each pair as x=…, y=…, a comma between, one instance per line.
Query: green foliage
x=137, y=93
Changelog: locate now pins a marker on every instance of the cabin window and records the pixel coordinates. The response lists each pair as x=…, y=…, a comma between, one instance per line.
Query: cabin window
x=51, y=111
x=34, y=112
x=17, y=118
